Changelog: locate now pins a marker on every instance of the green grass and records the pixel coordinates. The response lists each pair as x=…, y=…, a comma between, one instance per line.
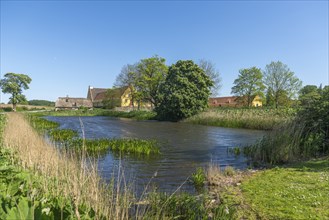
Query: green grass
x=62, y=135
x=138, y=115
x=133, y=146
x=250, y=118
x=41, y=124
x=299, y=191
x=198, y=178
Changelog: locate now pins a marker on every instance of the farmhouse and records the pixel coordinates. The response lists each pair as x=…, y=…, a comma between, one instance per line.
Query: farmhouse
x=66, y=103
x=117, y=97
x=96, y=96
x=102, y=98
x=233, y=101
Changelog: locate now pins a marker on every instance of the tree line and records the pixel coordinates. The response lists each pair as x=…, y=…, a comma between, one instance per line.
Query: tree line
x=182, y=89
x=276, y=85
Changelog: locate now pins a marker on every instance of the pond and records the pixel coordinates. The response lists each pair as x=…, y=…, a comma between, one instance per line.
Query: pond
x=183, y=148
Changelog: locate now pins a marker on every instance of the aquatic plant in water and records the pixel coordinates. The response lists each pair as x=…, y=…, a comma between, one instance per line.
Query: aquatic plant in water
x=198, y=178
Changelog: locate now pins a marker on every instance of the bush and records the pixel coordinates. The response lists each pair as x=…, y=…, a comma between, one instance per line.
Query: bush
x=184, y=93
x=306, y=136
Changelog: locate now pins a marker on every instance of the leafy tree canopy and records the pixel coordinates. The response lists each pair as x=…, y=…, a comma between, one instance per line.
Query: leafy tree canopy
x=249, y=84
x=152, y=72
x=185, y=91
x=308, y=94
x=280, y=80
x=14, y=83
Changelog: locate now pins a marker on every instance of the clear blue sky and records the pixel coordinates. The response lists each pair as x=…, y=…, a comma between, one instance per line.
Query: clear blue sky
x=67, y=46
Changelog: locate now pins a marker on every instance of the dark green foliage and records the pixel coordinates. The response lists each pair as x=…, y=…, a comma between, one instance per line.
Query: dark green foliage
x=316, y=119
x=304, y=137
x=308, y=94
x=41, y=103
x=184, y=93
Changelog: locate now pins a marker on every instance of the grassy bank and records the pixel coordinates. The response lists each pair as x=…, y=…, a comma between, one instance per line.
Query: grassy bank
x=297, y=191
x=253, y=118
x=138, y=115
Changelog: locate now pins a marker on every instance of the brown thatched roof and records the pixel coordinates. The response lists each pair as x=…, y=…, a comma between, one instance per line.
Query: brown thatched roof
x=68, y=102
x=93, y=92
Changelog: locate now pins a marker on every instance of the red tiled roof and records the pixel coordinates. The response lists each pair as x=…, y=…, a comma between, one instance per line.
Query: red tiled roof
x=223, y=101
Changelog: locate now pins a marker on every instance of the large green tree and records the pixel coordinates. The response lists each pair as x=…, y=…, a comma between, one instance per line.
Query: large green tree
x=152, y=72
x=185, y=91
x=210, y=70
x=14, y=83
x=280, y=81
x=309, y=94
x=248, y=84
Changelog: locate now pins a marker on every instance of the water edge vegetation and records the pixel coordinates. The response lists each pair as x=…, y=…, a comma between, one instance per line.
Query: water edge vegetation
x=44, y=183
x=70, y=140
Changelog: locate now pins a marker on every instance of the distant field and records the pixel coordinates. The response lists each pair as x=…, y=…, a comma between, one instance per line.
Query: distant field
x=25, y=107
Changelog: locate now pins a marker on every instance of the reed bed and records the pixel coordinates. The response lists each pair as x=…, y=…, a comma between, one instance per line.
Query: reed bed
x=65, y=180
x=71, y=140
x=260, y=119
x=133, y=146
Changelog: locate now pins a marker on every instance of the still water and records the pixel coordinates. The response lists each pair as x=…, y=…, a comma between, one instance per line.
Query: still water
x=183, y=148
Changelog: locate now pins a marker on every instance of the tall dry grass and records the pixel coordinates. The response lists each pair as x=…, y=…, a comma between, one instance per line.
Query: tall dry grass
x=262, y=119
x=63, y=175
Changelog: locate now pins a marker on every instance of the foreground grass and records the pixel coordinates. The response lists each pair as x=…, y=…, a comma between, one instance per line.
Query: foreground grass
x=39, y=183
x=253, y=118
x=298, y=191
x=39, y=177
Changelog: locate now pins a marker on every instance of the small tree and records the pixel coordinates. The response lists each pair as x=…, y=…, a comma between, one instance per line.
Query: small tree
x=14, y=83
x=210, y=70
x=248, y=85
x=280, y=81
x=184, y=93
